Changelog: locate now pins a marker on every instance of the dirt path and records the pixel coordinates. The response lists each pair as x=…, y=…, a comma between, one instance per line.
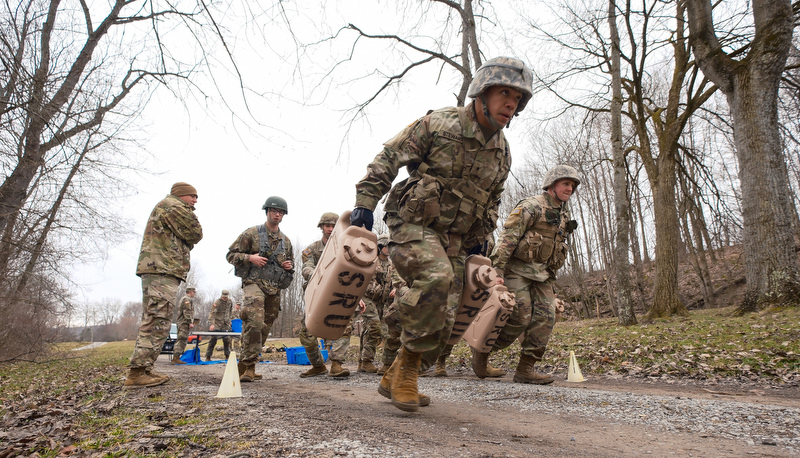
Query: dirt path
x=284, y=415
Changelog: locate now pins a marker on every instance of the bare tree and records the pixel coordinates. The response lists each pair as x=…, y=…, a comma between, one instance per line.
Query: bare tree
x=71, y=82
x=621, y=201
x=433, y=32
x=749, y=78
x=658, y=106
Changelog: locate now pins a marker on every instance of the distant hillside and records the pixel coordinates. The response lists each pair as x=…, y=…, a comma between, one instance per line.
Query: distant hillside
x=727, y=276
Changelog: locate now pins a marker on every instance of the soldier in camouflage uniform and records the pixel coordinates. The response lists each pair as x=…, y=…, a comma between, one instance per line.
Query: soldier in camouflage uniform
x=184, y=322
x=219, y=319
x=375, y=299
x=171, y=232
x=391, y=318
x=529, y=251
x=458, y=160
x=338, y=352
x=251, y=255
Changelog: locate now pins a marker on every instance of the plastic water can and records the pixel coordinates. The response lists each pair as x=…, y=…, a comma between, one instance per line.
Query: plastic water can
x=344, y=270
x=479, y=276
x=483, y=331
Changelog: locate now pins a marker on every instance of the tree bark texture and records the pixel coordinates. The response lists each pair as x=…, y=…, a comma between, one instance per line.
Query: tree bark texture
x=751, y=87
x=622, y=264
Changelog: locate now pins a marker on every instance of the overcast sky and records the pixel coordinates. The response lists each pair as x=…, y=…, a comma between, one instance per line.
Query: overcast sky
x=297, y=151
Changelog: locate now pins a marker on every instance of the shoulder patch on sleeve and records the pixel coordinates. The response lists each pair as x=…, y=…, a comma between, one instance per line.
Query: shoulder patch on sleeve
x=516, y=211
x=307, y=252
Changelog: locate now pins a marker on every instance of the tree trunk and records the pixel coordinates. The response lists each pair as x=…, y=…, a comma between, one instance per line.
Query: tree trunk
x=665, y=297
x=622, y=265
x=751, y=87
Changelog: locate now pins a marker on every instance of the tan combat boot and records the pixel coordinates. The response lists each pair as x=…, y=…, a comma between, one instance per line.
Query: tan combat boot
x=384, y=367
x=138, y=378
x=315, y=370
x=176, y=359
x=385, y=387
x=492, y=371
x=337, y=370
x=479, y=361
x=367, y=366
x=441, y=367
x=405, y=395
x=526, y=374
x=152, y=373
x=249, y=373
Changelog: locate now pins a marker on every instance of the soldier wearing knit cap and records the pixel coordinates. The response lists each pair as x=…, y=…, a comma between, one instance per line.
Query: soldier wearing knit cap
x=170, y=234
x=181, y=189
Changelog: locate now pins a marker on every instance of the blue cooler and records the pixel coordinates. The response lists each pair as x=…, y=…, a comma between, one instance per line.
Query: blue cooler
x=297, y=355
x=236, y=325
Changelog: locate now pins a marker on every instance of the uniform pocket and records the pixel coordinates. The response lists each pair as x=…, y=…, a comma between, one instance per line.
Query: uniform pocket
x=559, y=257
x=420, y=204
x=528, y=247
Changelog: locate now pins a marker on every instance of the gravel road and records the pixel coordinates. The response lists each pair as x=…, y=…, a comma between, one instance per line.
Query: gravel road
x=288, y=416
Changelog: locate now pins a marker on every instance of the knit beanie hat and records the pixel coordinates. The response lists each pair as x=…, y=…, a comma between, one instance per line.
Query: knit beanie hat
x=181, y=189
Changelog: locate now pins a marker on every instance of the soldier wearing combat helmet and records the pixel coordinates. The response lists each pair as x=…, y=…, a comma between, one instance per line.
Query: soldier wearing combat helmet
x=458, y=160
x=219, y=319
x=184, y=322
x=262, y=258
x=376, y=299
x=531, y=248
x=311, y=256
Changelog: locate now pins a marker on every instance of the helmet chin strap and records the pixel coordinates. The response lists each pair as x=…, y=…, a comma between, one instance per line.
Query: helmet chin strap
x=492, y=122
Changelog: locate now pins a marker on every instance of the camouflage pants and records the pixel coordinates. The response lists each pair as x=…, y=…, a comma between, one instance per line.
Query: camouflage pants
x=391, y=345
x=534, y=315
x=183, y=334
x=158, y=301
x=258, y=312
x=338, y=350
x=427, y=310
x=212, y=342
x=371, y=335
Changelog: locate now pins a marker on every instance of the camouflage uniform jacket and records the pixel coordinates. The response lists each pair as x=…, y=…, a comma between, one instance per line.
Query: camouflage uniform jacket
x=533, y=242
x=171, y=232
x=456, y=177
x=381, y=285
x=220, y=314
x=310, y=257
x=249, y=243
x=186, y=310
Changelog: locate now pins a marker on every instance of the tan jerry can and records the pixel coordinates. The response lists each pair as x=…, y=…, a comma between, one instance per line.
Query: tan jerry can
x=344, y=270
x=483, y=331
x=479, y=276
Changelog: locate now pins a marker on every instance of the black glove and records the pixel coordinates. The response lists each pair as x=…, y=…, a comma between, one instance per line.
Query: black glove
x=361, y=217
x=479, y=249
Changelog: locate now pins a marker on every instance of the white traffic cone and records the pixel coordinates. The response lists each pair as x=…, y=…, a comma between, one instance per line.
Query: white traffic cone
x=574, y=374
x=230, y=387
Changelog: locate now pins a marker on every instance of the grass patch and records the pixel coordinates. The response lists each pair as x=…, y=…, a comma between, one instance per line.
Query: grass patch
x=706, y=344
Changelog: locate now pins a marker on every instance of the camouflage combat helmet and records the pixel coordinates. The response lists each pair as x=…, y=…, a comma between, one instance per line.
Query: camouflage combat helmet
x=558, y=172
x=328, y=218
x=383, y=240
x=276, y=202
x=503, y=71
